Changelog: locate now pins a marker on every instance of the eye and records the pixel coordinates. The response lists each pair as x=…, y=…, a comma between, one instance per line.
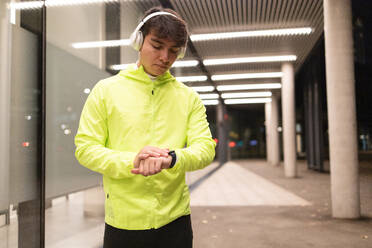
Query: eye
x=175, y=51
x=156, y=47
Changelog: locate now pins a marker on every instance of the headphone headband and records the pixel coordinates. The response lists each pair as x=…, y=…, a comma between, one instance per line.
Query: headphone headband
x=150, y=16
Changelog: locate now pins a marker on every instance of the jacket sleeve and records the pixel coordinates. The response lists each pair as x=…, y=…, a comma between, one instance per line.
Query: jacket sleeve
x=200, y=150
x=91, y=138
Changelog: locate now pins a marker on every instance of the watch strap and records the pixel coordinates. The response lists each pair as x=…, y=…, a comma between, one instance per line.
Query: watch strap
x=174, y=158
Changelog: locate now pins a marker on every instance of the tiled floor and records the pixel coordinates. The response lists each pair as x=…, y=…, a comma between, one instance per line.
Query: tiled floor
x=232, y=185
x=232, y=197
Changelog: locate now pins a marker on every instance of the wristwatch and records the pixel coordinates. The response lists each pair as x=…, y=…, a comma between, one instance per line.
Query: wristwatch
x=174, y=158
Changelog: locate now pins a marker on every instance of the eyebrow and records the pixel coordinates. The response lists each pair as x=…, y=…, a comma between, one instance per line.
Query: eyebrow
x=162, y=43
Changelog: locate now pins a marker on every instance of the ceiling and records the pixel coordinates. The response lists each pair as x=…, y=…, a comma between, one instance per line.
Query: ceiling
x=214, y=16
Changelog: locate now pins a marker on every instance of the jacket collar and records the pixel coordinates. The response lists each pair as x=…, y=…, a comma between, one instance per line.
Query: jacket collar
x=139, y=74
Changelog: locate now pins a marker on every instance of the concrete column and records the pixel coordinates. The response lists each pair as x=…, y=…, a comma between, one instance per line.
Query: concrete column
x=275, y=150
x=341, y=109
x=268, y=132
x=289, y=120
x=222, y=135
x=272, y=136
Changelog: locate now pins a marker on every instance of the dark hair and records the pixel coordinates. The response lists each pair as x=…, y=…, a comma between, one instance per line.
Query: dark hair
x=166, y=26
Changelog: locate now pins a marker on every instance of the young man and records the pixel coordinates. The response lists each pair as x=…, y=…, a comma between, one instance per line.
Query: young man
x=143, y=130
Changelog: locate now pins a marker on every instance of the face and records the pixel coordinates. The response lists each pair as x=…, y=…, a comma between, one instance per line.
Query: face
x=157, y=55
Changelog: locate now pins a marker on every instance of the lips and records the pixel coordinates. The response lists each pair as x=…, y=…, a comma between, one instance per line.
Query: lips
x=162, y=66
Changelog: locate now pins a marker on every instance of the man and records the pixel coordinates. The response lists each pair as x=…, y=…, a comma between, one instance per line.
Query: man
x=143, y=130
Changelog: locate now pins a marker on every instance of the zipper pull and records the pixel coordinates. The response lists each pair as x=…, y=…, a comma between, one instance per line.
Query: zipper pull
x=152, y=92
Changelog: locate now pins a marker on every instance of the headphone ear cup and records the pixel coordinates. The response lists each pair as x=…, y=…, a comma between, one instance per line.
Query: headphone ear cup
x=182, y=53
x=136, y=40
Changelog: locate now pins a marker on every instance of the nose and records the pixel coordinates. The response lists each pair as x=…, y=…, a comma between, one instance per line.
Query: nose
x=164, y=56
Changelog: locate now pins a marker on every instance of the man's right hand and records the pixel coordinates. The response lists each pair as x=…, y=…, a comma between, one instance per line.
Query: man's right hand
x=153, y=164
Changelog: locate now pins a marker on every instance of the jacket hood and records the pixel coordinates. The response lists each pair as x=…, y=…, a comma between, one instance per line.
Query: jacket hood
x=139, y=74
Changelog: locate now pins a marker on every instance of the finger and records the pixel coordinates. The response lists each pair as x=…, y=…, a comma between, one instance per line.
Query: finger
x=152, y=170
x=139, y=157
x=158, y=165
x=146, y=167
x=141, y=165
x=135, y=171
x=154, y=154
x=155, y=150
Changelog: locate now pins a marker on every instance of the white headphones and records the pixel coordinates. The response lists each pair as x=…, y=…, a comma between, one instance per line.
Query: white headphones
x=136, y=38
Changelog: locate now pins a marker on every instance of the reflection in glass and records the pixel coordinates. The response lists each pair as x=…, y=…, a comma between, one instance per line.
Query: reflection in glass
x=20, y=128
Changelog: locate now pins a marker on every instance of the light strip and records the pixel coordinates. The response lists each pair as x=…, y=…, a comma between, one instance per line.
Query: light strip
x=247, y=75
x=106, y=43
x=203, y=88
x=249, y=87
x=182, y=63
x=246, y=94
x=249, y=60
x=253, y=33
x=208, y=96
x=54, y=3
x=185, y=63
x=192, y=79
x=247, y=100
x=210, y=102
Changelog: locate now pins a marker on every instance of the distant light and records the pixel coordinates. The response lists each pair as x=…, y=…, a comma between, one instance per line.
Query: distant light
x=28, y=117
x=63, y=126
x=232, y=144
x=252, y=33
x=55, y=3
x=26, y=144
x=192, y=79
x=210, y=102
x=208, y=96
x=247, y=75
x=253, y=142
x=248, y=86
x=247, y=100
x=280, y=129
x=86, y=90
x=67, y=131
x=69, y=109
x=249, y=60
x=203, y=88
x=106, y=43
x=215, y=140
x=185, y=63
x=246, y=94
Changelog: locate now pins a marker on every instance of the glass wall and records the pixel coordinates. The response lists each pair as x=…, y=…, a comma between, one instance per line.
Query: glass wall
x=21, y=218
x=74, y=195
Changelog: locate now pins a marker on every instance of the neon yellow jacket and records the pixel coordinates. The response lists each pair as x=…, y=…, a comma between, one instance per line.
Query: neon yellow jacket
x=123, y=114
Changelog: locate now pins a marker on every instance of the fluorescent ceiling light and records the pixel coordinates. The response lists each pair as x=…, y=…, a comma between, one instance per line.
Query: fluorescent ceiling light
x=252, y=33
x=192, y=79
x=203, y=88
x=208, y=96
x=185, y=63
x=119, y=67
x=247, y=100
x=247, y=75
x=55, y=3
x=249, y=60
x=210, y=102
x=106, y=43
x=248, y=86
x=246, y=94
x=182, y=63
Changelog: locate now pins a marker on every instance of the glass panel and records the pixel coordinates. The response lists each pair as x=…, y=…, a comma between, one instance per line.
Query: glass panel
x=75, y=198
x=20, y=127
